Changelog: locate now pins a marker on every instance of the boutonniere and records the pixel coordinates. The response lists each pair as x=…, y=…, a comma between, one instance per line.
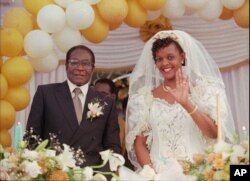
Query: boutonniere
x=96, y=108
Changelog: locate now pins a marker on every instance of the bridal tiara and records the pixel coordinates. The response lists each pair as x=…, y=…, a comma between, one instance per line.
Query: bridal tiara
x=168, y=33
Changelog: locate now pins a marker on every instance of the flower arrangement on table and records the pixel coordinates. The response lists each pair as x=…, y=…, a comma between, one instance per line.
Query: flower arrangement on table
x=215, y=163
x=53, y=163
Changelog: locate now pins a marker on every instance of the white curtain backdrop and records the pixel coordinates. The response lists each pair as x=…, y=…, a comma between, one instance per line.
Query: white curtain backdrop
x=226, y=42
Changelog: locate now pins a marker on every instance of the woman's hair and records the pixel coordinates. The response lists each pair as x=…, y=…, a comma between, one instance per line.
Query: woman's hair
x=164, y=42
x=81, y=47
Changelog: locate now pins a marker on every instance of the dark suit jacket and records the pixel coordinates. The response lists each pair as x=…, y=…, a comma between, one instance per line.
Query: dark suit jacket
x=52, y=111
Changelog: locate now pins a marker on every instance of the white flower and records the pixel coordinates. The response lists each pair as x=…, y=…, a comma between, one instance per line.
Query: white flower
x=238, y=150
x=88, y=173
x=222, y=147
x=30, y=154
x=50, y=153
x=6, y=163
x=31, y=168
x=147, y=172
x=84, y=174
x=105, y=155
x=115, y=161
x=6, y=154
x=234, y=159
x=218, y=175
x=191, y=178
x=99, y=177
x=95, y=108
x=66, y=158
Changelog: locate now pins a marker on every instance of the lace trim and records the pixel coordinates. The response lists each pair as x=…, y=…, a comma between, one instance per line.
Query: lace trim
x=141, y=127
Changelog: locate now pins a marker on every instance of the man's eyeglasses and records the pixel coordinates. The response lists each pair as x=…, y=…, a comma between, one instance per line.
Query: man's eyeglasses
x=76, y=63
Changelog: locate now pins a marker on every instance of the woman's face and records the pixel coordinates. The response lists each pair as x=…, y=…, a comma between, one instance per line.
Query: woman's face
x=168, y=60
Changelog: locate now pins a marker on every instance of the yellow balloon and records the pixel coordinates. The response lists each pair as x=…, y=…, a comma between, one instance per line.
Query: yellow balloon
x=19, y=97
x=113, y=11
x=5, y=138
x=226, y=14
x=33, y=6
x=98, y=31
x=18, y=19
x=152, y=5
x=11, y=42
x=7, y=115
x=17, y=71
x=114, y=26
x=241, y=15
x=1, y=63
x=3, y=86
x=34, y=22
x=137, y=15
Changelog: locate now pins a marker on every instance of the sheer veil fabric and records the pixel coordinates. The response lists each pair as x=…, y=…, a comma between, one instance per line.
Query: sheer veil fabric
x=200, y=68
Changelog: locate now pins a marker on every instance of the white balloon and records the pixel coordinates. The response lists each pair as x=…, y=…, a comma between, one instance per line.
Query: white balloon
x=51, y=18
x=38, y=43
x=152, y=15
x=194, y=4
x=211, y=11
x=173, y=9
x=189, y=11
x=64, y=3
x=232, y=4
x=80, y=15
x=91, y=1
x=67, y=38
x=45, y=64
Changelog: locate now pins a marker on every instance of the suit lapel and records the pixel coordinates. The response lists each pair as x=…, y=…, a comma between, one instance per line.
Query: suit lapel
x=65, y=101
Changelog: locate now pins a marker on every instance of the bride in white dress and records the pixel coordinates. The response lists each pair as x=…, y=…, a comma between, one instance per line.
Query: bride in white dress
x=172, y=109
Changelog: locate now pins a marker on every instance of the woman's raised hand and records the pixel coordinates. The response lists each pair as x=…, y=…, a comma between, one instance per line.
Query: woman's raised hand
x=182, y=87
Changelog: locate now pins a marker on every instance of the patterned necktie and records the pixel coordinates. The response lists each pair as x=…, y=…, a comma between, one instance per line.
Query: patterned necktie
x=78, y=104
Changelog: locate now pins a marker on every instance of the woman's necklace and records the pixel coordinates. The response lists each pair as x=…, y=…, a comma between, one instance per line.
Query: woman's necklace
x=166, y=88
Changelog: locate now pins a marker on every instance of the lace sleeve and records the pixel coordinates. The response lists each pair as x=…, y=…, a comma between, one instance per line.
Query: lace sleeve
x=205, y=95
x=137, y=123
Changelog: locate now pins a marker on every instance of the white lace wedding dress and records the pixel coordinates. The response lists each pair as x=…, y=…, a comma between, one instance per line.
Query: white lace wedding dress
x=172, y=134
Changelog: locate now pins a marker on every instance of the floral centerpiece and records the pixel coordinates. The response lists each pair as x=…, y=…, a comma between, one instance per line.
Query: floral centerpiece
x=53, y=163
x=215, y=163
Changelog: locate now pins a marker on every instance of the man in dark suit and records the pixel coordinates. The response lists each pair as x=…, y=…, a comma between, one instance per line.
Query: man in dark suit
x=52, y=110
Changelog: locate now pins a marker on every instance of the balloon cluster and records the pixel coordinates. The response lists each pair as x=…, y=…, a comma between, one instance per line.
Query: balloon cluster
x=210, y=10
x=15, y=73
x=47, y=26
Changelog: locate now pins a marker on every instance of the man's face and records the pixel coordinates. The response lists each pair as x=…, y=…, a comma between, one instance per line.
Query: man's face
x=103, y=88
x=80, y=67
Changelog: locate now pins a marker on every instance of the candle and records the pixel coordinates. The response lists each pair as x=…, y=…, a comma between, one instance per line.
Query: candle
x=245, y=134
x=219, y=126
x=18, y=135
